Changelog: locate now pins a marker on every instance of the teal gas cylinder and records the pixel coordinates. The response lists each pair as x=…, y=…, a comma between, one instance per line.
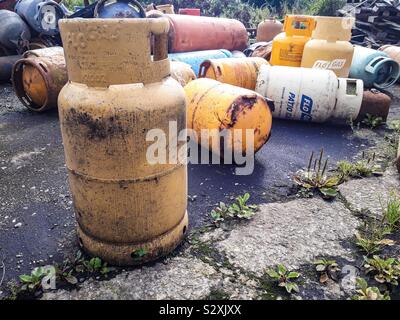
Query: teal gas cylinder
x=374, y=67
x=196, y=58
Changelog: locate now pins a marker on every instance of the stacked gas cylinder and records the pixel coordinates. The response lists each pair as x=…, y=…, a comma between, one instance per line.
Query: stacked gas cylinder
x=317, y=75
x=224, y=99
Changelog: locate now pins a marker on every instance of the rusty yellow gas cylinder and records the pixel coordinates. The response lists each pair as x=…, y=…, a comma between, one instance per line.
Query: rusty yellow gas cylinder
x=130, y=208
x=213, y=105
x=39, y=77
x=182, y=72
x=241, y=72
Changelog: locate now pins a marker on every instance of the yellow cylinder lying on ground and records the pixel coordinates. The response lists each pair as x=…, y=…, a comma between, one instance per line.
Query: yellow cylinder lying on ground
x=241, y=72
x=182, y=72
x=213, y=105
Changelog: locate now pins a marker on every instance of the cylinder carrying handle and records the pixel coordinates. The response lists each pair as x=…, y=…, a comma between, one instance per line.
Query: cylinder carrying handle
x=135, y=5
x=376, y=63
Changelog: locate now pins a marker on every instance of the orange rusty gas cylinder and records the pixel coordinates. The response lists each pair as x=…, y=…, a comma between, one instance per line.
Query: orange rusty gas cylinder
x=263, y=51
x=374, y=103
x=130, y=205
x=268, y=29
x=213, y=105
x=182, y=72
x=191, y=33
x=39, y=77
x=241, y=72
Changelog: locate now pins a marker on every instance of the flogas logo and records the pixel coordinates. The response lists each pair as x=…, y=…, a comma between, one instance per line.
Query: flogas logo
x=330, y=65
x=306, y=106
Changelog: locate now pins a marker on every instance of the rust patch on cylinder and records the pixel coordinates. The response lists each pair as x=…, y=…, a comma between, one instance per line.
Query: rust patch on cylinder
x=97, y=128
x=238, y=107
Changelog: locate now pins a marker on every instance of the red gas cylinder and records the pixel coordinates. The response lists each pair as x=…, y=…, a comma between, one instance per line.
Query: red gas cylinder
x=190, y=11
x=7, y=4
x=375, y=103
x=191, y=33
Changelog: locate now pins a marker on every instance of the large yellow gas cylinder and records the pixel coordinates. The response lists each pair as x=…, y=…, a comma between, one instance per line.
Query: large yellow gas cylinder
x=213, y=105
x=241, y=72
x=329, y=47
x=129, y=209
x=287, y=47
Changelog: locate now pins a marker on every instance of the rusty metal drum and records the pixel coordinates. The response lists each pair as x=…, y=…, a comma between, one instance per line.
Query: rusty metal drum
x=268, y=29
x=218, y=106
x=375, y=103
x=129, y=210
x=39, y=77
x=192, y=33
x=241, y=72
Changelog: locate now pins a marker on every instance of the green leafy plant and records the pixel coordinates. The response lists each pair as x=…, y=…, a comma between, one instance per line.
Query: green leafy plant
x=33, y=281
x=237, y=210
x=95, y=265
x=365, y=167
x=67, y=272
x=384, y=271
x=327, y=269
x=368, y=293
x=139, y=254
x=315, y=178
x=395, y=125
x=372, y=238
x=372, y=121
x=326, y=7
x=391, y=214
x=284, y=278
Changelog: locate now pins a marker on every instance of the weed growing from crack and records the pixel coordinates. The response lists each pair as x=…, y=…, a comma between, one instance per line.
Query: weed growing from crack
x=384, y=271
x=237, y=210
x=371, y=239
x=35, y=280
x=391, y=214
x=316, y=178
x=366, y=167
x=284, y=278
x=372, y=121
x=43, y=278
x=368, y=293
x=327, y=269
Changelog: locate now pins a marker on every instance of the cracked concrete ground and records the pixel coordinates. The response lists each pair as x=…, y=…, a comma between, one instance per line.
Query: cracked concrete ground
x=294, y=233
x=227, y=262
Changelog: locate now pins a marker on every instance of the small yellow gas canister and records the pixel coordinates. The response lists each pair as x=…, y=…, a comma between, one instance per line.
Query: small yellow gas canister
x=287, y=47
x=241, y=72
